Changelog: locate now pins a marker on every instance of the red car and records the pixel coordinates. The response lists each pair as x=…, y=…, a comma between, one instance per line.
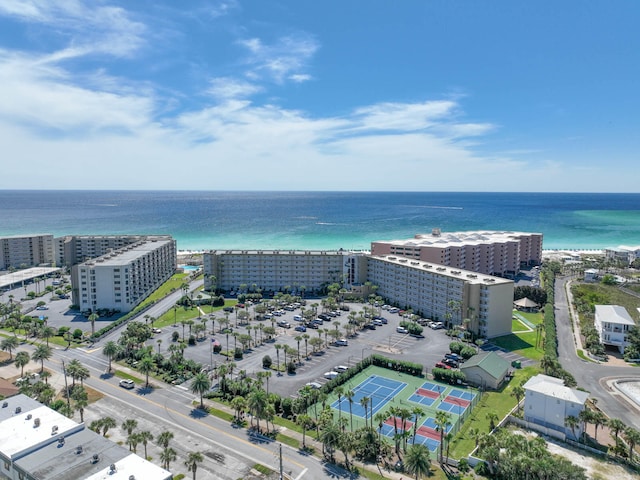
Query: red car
x=442, y=365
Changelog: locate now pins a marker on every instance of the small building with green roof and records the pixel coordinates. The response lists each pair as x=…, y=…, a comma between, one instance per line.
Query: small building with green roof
x=487, y=370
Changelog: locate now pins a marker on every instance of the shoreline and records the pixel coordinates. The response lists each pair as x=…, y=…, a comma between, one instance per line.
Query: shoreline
x=549, y=251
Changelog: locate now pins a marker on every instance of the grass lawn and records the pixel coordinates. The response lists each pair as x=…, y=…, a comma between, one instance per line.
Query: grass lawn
x=521, y=343
x=500, y=402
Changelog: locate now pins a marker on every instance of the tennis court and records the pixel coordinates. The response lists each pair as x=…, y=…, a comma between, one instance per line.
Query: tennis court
x=379, y=390
x=454, y=405
x=469, y=396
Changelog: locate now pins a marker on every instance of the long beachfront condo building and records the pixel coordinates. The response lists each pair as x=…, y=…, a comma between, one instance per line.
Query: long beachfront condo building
x=431, y=290
x=295, y=271
x=73, y=249
x=445, y=294
x=497, y=253
x=121, y=279
x=22, y=251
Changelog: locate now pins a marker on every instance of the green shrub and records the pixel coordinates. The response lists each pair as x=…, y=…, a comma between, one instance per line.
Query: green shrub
x=267, y=362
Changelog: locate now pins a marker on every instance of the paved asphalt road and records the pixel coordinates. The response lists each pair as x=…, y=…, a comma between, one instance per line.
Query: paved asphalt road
x=589, y=375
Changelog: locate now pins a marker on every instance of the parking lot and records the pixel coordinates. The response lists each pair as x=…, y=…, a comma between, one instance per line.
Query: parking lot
x=384, y=340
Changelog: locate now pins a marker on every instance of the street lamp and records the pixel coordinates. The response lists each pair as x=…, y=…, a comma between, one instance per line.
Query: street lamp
x=362, y=353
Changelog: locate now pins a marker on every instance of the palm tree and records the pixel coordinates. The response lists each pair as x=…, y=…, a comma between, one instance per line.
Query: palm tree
x=107, y=423
x=632, y=436
x=42, y=353
x=47, y=332
x=518, y=392
x=493, y=418
x=257, y=403
x=22, y=359
x=146, y=366
x=278, y=348
x=417, y=412
x=306, y=422
x=239, y=404
x=167, y=456
x=81, y=400
x=572, y=422
x=192, y=461
x=442, y=422
x=598, y=419
x=110, y=350
x=364, y=402
x=201, y=385
x=349, y=396
x=92, y=318
x=417, y=461
x=164, y=438
x=9, y=344
x=145, y=437
x=129, y=425
x=616, y=426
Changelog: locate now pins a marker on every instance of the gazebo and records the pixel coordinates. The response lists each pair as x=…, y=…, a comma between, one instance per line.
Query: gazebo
x=525, y=304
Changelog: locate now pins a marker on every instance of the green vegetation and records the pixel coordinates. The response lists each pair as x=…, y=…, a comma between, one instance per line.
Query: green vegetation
x=262, y=469
x=127, y=376
x=478, y=422
x=292, y=442
x=221, y=414
x=587, y=295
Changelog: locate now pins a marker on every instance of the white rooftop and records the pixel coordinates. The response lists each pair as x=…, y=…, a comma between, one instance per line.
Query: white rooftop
x=614, y=314
x=554, y=387
x=26, y=274
x=461, y=238
x=132, y=467
x=466, y=275
x=19, y=435
x=128, y=254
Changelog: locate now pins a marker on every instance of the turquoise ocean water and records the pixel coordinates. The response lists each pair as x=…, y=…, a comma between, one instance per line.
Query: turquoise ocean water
x=321, y=220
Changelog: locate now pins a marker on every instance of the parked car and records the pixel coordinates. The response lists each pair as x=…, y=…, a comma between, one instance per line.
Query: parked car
x=284, y=324
x=370, y=326
x=297, y=318
x=401, y=330
x=341, y=368
x=314, y=385
x=437, y=325
x=313, y=325
x=300, y=328
x=156, y=330
x=331, y=375
x=442, y=365
x=378, y=322
x=42, y=307
x=341, y=342
x=453, y=356
x=451, y=363
x=126, y=383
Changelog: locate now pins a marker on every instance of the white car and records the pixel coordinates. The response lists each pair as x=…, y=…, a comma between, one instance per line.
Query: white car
x=314, y=385
x=341, y=368
x=128, y=384
x=343, y=342
x=331, y=375
x=402, y=330
x=156, y=330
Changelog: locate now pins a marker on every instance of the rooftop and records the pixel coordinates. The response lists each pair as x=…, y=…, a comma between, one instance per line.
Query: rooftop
x=466, y=275
x=128, y=254
x=490, y=362
x=554, y=387
x=437, y=238
x=614, y=314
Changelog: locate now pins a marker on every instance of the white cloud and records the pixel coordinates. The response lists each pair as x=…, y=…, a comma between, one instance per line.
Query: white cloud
x=87, y=28
x=227, y=87
x=285, y=59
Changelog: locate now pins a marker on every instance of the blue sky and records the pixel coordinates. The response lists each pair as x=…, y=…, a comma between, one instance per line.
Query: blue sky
x=476, y=95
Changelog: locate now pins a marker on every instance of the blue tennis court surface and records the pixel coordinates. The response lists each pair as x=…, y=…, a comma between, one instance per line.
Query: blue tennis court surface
x=379, y=390
x=422, y=400
x=430, y=443
x=433, y=387
x=463, y=395
x=431, y=423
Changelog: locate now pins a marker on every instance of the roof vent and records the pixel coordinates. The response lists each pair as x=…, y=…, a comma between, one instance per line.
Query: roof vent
x=36, y=422
x=18, y=409
x=112, y=468
x=132, y=477
x=79, y=449
x=54, y=429
x=95, y=458
x=60, y=441
x=29, y=416
x=5, y=404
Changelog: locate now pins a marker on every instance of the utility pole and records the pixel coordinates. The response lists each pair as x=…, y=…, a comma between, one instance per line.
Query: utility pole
x=281, y=472
x=66, y=384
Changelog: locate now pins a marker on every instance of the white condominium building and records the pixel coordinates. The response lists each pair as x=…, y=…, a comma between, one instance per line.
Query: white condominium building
x=120, y=280
x=293, y=271
x=623, y=253
x=445, y=294
x=21, y=251
x=73, y=249
x=490, y=252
